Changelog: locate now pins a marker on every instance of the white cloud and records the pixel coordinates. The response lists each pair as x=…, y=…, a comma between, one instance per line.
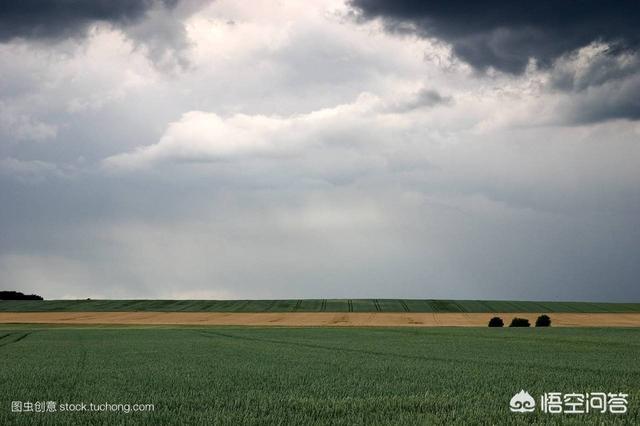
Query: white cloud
x=205, y=137
x=202, y=137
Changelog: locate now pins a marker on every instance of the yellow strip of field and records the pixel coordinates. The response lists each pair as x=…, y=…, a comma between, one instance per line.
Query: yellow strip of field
x=316, y=319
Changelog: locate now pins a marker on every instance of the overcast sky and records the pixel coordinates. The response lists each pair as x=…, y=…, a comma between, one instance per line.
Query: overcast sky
x=320, y=149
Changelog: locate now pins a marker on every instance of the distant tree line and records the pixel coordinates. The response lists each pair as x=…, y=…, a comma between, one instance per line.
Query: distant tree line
x=16, y=295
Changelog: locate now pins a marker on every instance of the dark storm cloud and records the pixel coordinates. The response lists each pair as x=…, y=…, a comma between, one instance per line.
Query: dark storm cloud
x=504, y=34
x=55, y=19
x=601, y=67
x=606, y=103
x=601, y=85
x=426, y=98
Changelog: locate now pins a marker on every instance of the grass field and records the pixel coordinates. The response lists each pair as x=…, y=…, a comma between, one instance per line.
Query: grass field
x=312, y=305
x=218, y=375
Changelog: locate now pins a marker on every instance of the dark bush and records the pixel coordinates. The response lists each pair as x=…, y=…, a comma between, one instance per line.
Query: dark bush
x=16, y=295
x=519, y=322
x=543, y=321
x=496, y=322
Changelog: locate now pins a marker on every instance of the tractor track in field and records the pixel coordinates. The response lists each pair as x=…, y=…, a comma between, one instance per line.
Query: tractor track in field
x=21, y=336
x=463, y=311
x=516, y=363
x=241, y=307
x=460, y=307
x=435, y=318
x=214, y=334
x=79, y=370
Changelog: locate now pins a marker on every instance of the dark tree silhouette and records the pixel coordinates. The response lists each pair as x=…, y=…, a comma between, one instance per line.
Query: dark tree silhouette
x=496, y=322
x=519, y=322
x=543, y=321
x=16, y=295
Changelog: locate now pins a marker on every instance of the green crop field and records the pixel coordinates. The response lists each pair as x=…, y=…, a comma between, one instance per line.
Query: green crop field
x=313, y=305
x=216, y=375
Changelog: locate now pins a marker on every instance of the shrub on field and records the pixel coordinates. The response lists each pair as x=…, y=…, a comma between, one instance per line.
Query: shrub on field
x=496, y=322
x=519, y=322
x=543, y=321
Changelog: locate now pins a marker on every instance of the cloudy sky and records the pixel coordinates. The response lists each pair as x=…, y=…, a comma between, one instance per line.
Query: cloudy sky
x=320, y=148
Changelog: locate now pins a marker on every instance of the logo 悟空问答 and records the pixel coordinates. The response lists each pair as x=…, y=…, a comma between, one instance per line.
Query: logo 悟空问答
x=522, y=402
